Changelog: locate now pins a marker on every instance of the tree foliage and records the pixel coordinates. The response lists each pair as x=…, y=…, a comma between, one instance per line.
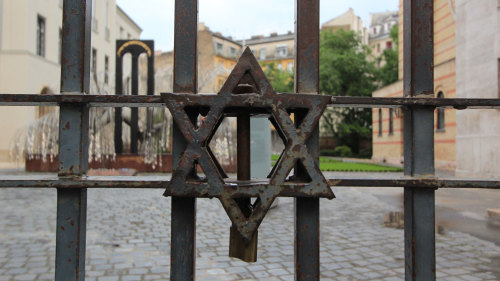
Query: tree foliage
x=388, y=73
x=281, y=80
x=346, y=70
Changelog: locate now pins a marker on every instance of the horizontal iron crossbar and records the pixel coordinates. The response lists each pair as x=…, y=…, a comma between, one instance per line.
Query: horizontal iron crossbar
x=157, y=101
x=152, y=182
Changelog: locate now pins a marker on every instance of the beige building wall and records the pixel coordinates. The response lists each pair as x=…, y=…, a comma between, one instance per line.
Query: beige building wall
x=478, y=56
x=23, y=71
x=348, y=21
x=386, y=147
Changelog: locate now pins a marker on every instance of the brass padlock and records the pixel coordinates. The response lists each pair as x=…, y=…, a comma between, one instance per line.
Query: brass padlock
x=239, y=247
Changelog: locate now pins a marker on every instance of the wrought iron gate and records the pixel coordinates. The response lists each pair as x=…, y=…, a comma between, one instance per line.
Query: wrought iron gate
x=302, y=141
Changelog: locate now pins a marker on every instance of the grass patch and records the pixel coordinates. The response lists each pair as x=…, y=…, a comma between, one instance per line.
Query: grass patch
x=334, y=165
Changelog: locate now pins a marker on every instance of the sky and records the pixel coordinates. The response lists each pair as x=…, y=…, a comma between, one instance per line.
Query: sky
x=239, y=18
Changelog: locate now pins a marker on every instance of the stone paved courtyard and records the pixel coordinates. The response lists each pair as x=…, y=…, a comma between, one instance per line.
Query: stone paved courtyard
x=128, y=238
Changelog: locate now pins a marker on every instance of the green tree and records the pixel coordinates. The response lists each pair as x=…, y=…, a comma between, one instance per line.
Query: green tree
x=388, y=73
x=281, y=80
x=346, y=70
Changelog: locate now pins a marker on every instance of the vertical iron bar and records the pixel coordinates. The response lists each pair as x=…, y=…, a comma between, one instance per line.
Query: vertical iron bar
x=73, y=141
x=243, y=146
x=243, y=157
x=134, y=117
x=183, y=245
x=118, y=110
x=307, y=81
x=419, y=208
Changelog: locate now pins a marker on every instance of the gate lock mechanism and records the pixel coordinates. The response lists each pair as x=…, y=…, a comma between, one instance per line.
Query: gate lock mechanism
x=246, y=93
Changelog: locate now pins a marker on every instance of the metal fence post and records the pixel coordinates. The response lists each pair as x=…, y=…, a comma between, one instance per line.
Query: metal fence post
x=307, y=81
x=419, y=209
x=73, y=141
x=183, y=245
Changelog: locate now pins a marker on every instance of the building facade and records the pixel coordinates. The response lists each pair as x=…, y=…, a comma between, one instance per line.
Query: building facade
x=379, y=32
x=478, y=76
x=275, y=48
x=30, y=53
x=388, y=123
x=348, y=21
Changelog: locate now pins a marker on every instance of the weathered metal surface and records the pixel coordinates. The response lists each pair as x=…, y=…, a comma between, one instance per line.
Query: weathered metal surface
x=289, y=189
x=212, y=108
x=307, y=81
x=73, y=141
x=238, y=246
x=183, y=230
x=157, y=101
x=419, y=207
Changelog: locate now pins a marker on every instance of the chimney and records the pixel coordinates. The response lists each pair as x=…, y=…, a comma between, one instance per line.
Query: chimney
x=274, y=34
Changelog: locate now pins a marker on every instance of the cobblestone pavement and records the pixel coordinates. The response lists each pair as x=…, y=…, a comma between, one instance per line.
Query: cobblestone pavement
x=128, y=238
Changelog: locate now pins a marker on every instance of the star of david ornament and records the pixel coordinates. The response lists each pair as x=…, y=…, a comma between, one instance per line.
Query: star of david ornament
x=198, y=117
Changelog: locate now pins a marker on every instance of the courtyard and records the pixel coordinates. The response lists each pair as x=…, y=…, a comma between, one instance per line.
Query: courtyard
x=128, y=238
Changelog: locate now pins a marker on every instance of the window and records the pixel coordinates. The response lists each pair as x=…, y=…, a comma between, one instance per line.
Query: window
x=280, y=66
x=60, y=45
x=262, y=54
x=380, y=122
x=281, y=51
x=94, y=61
x=94, y=19
x=374, y=30
x=388, y=45
x=218, y=48
x=391, y=122
x=40, y=36
x=232, y=52
x=440, y=127
x=290, y=66
x=106, y=17
x=106, y=69
x=378, y=47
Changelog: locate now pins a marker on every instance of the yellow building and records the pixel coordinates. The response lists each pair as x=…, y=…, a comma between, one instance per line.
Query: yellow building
x=388, y=124
x=275, y=48
x=347, y=21
x=217, y=56
x=379, y=32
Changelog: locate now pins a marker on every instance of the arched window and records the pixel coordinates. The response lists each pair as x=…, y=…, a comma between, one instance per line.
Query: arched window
x=440, y=115
x=380, y=122
x=391, y=122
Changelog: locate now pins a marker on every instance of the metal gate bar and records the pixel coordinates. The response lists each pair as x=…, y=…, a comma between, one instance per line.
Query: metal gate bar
x=73, y=141
x=307, y=81
x=183, y=230
x=157, y=101
x=418, y=103
x=419, y=210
